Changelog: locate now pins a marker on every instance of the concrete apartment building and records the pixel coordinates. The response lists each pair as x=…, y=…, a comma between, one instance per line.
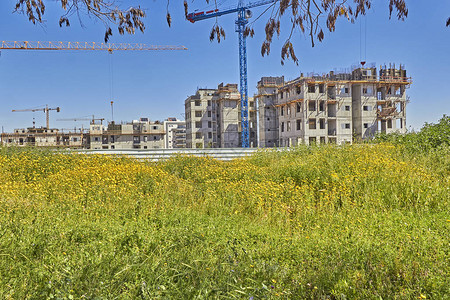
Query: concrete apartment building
x=175, y=133
x=213, y=118
x=43, y=137
x=332, y=108
x=268, y=117
x=139, y=134
x=179, y=137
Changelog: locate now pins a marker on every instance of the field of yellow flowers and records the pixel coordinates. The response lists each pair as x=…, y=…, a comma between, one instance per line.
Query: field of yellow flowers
x=362, y=221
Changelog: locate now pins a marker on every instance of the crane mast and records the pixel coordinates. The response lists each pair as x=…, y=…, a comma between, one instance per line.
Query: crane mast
x=241, y=22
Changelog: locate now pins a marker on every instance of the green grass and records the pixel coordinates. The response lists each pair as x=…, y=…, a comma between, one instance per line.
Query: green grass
x=354, y=222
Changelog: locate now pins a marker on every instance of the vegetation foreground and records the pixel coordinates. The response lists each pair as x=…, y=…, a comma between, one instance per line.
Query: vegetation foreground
x=362, y=221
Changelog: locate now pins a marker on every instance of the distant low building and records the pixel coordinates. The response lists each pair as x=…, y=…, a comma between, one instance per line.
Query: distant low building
x=139, y=134
x=175, y=136
x=43, y=137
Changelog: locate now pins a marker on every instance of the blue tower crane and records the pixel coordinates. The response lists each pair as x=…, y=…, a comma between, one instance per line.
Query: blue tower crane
x=244, y=14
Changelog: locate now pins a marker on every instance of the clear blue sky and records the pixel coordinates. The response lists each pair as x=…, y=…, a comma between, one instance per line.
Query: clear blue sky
x=155, y=84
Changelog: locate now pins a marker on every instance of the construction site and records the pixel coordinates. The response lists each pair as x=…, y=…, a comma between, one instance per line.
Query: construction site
x=337, y=107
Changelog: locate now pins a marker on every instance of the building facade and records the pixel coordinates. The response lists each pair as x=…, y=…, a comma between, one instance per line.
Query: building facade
x=268, y=117
x=139, y=134
x=173, y=137
x=332, y=108
x=43, y=137
x=213, y=118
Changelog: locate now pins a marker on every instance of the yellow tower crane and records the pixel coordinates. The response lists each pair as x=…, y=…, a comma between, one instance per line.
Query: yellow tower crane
x=46, y=110
x=110, y=47
x=92, y=120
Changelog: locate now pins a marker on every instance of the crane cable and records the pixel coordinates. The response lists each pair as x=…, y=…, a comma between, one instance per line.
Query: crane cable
x=111, y=83
x=362, y=58
x=111, y=77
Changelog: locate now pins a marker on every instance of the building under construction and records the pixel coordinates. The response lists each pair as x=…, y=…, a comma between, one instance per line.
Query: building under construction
x=338, y=107
x=213, y=118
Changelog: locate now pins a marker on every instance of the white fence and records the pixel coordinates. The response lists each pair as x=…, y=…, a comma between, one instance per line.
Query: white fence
x=162, y=154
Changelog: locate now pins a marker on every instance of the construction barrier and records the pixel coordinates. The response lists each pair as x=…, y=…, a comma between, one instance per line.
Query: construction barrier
x=163, y=154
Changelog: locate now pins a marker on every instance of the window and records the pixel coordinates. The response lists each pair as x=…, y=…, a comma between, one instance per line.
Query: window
x=322, y=123
x=299, y=124
x=198, y=103
x=311, y=105
x=298, y=89
x=136, y=140
x=347, y=125
x=311, y=88
x=210, y=135
x=347, y=107
x=198, y=113
x=209, y=102
x=288, y=110
x=322, y=140
x=282, y=110
x=198, y=135
x=281, y=95
x=299, y=106
x=155, y=137
x=145, y=138
x=322, y=106
x=321, y=88
x=209, y=124
x=365, y=108
x=366, y=125
x=209, y=114
x=282, y=126
x=312, y=140
x=389, y=91
x=364, y=90
x=344, y=90
x=198, y=124
x=312, y=123
x=288, y=126
x=389, y=123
